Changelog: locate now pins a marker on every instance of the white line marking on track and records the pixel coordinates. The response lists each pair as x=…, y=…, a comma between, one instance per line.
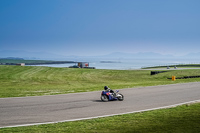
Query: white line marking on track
x=164, y=107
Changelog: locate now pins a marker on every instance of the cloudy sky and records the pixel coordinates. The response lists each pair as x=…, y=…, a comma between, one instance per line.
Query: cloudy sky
x=98, y=27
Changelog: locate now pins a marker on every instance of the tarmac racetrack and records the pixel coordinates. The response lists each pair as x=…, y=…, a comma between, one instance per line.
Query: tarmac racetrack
x=35, y=110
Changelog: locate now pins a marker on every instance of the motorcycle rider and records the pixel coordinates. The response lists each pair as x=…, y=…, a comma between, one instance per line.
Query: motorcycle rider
x=109, y=90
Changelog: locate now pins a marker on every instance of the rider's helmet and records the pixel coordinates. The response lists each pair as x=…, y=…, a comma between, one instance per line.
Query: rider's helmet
x=105, y=87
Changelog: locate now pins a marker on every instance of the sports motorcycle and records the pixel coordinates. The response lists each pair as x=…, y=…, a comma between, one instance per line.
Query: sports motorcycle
x=108, y=96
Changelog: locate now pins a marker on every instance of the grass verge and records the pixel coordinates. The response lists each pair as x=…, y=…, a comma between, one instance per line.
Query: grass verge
x=181, y=119
x=19, y=81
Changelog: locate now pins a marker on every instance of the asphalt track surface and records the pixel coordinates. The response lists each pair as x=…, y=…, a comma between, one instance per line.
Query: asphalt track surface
x=23, y=111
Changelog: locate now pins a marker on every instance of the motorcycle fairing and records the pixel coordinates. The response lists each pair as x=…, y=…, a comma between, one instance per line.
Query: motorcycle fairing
x=110, y=98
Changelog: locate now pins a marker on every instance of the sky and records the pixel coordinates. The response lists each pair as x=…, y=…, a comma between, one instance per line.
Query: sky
x=99, y=27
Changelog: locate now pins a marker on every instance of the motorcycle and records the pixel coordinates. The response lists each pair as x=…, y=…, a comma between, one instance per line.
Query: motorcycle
x=108, y=96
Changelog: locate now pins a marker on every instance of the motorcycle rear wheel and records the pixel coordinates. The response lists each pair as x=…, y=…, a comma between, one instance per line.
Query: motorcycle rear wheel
x=104, y=98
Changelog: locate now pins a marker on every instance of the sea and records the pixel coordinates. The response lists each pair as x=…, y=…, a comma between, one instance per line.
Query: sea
x=127, y=64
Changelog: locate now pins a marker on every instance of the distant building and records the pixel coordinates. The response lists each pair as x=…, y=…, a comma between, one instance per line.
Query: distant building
x=83, y=64
x=20, y=64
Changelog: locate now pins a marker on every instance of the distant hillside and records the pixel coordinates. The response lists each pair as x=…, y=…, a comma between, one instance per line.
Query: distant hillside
x=13, y=58
x=18, y=54
x=193, y=55
x=29, y=55
x=31, y=62
x=139, y=55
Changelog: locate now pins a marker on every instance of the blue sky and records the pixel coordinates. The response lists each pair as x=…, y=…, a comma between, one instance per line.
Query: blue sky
x=99, y=27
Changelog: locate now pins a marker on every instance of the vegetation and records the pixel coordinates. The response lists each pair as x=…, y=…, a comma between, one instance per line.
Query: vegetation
x=16, y=81
x=31, y=62
x=22, y=61
x=20, y=81
x=178, y=66
x=181, y=119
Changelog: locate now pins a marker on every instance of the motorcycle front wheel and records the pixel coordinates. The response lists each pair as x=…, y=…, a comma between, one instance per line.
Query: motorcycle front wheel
x=120, y=97
x=104, y=98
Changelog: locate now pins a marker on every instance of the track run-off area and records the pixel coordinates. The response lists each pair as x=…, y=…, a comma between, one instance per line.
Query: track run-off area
x=35, y=110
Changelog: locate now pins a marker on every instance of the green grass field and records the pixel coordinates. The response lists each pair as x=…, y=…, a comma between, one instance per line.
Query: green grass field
x=20, y=81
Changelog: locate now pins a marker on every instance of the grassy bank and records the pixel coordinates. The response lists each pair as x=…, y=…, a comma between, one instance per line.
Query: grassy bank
x=18, y=81
x=181, y=119
x=172, y=66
